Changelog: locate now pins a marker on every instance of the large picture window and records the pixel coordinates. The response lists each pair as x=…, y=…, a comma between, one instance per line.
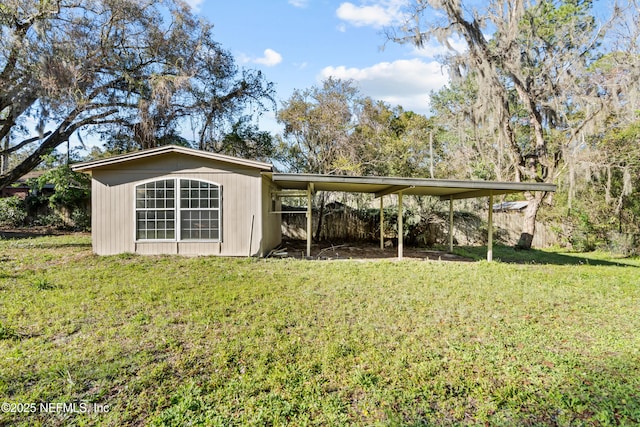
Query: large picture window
x=195, y=207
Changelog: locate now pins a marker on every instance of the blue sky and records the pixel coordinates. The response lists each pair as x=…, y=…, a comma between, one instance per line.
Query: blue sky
x=299, y=43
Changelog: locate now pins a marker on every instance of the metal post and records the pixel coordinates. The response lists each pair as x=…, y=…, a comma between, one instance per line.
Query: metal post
x=400, y=226
x=309, y=217
x=490, y=229
x=381, y=222
x=451, y=224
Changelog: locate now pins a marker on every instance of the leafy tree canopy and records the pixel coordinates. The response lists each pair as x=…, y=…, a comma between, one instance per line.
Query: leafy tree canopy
x=125, y=69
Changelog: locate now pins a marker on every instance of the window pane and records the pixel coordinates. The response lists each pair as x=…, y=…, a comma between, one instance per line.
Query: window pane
x=199, y=210
x=155, y=214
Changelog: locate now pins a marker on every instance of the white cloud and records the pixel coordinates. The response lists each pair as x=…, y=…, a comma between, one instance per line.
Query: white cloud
x=299, y=3
x=270, y=58
x=403, y=82
x=377, y=14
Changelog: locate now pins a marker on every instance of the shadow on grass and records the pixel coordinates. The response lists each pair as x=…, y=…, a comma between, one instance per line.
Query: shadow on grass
x=510, y=255
x=24, y=233
x=40, y=238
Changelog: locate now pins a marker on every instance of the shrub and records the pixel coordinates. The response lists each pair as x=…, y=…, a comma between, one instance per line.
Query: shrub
x=13, y=212
x=81, y=219
x=49, y=220
x=625, y=244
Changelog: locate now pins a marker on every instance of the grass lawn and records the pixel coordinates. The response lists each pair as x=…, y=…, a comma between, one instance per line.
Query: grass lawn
x=212, y=341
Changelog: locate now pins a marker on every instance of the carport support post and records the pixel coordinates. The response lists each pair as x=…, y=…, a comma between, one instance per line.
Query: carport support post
x=309, y=217
x=381, y=222
x=400, y=226
x=451, y=224
x=490, y=229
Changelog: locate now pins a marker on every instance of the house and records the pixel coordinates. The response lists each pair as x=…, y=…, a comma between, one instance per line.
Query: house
x=517, y=206
x=176, y=200
x=24, y=186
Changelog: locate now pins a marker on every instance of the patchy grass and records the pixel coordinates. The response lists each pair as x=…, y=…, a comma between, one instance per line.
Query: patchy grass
x=545, y=340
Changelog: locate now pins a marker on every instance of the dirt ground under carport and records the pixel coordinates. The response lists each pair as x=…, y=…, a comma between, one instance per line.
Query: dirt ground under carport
x=358, y=250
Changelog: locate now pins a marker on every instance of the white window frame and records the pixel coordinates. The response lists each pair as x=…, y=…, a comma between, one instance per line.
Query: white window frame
x=177, y=209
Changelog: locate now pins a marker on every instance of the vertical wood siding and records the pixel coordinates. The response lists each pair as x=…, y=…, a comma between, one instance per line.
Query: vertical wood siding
x=271, y=222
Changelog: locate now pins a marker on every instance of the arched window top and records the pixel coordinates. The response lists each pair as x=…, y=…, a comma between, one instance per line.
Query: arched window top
x=195, y=194
x=155, y=194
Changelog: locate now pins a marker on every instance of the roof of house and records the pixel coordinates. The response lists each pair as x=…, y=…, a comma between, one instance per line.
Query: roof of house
x=166, y=149
x=383, y=185
x=511, y=206
x=379, y=185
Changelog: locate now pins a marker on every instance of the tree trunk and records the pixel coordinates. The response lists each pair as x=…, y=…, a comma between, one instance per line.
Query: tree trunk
x=529, y=224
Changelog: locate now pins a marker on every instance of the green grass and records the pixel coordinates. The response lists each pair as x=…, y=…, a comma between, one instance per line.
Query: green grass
x=540, y=339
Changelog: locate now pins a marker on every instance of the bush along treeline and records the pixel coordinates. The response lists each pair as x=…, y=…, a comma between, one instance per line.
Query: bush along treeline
x=59, y=198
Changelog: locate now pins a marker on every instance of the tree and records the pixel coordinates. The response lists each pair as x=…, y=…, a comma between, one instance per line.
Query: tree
x=246, y=140
x=333, y=129
x=522, y=56
x=121, y=68
x=393, y=142
x=317, y=124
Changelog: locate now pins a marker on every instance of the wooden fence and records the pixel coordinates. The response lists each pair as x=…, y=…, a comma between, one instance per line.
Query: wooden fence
x=341, y=223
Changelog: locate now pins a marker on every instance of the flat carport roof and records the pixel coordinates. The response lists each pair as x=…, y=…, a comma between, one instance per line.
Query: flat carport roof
x=380, y=186
x=383, y=185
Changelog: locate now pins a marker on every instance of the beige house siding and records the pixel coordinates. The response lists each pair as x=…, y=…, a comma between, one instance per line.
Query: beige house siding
x=272, y=230
x=113, y=222
x=111, y=226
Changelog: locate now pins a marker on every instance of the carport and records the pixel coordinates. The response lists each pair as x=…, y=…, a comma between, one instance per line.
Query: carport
x=305, y=185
